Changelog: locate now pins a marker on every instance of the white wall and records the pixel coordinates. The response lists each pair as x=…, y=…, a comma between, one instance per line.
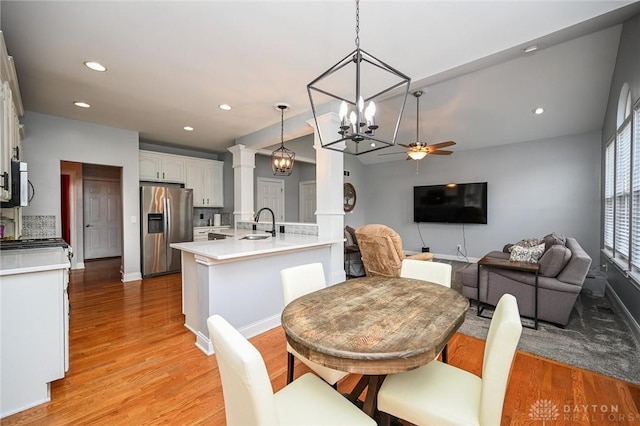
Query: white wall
x=534, y=188
x=51, y=139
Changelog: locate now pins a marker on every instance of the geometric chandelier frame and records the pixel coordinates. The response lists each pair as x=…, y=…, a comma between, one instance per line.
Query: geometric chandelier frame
x=358, y=132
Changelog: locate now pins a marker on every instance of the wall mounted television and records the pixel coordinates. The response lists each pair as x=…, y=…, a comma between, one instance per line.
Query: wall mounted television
x=450, y=203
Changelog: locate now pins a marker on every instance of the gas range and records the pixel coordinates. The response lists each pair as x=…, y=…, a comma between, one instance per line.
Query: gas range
x=32, y=243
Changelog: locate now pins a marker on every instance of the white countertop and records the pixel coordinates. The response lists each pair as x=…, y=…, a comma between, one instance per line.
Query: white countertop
x=32, y=260
x=235, y=248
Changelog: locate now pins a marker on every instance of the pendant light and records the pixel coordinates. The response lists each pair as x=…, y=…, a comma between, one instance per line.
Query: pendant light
x=418, y=153
x=359, y=130
x=282, y=159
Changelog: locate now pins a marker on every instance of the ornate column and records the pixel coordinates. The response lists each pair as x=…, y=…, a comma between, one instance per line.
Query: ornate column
x=244, y=161
x=329, y=199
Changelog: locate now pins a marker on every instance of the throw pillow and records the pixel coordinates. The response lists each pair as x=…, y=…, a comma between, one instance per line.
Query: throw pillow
x=527, y=243
x=526, y=254
x=554, y=239
x=554, y=260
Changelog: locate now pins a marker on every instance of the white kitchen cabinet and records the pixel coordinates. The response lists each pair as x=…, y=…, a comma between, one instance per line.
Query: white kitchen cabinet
x=205, y=177
x=160, y=167
x=35, y=328
x=10, y=110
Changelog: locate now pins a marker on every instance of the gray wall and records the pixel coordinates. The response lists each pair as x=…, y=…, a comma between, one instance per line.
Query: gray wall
x=534, y=188
x=356, y=169
x=52, y=139
x=627, y=70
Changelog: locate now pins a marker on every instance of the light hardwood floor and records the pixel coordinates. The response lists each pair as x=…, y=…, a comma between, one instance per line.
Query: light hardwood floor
x=132, y=362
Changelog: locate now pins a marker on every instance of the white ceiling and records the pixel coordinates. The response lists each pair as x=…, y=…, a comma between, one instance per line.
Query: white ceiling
x=171, y=63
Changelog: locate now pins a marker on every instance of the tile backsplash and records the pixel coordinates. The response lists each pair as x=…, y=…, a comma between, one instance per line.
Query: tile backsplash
x=289, y=228
x=38, y=226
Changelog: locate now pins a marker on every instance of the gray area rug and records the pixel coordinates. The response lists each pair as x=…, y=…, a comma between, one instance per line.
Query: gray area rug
x=597, y=337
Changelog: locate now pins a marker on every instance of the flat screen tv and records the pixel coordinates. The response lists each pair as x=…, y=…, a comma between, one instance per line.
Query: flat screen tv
x=450, y=203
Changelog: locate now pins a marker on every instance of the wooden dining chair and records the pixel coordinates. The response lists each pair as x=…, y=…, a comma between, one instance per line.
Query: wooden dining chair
x=298, y=281
x=441, y=394
x=248, y=394
x=435, y=272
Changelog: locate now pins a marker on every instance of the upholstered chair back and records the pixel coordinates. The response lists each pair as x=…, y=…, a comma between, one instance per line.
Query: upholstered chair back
x=381, y=250
x=435, y=272
x=300, y=280
x=247, y=391
x=502, y=340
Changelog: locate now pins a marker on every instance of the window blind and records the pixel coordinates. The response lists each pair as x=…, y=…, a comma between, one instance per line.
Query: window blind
x=635, y=210
x=609, y=185
x=622, y=190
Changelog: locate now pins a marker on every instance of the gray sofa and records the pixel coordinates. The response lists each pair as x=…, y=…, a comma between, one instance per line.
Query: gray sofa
x=563, y=269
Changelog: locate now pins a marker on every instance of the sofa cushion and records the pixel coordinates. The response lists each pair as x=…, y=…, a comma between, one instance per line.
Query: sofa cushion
x=554, y=260
x=526, y=254
x=554, y=238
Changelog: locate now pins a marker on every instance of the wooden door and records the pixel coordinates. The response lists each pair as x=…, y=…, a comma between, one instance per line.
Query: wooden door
x=102, y=219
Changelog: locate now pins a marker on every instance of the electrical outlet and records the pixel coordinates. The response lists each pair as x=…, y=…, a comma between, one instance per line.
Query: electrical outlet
x=458, y=248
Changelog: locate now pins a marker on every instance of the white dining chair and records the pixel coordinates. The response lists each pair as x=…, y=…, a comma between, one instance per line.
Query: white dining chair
x=441, y=394
x=435, y=272
x=248, y=394
x=298, y=281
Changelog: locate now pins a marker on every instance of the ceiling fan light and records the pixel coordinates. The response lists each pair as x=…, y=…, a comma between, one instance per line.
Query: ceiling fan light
x=417, y=155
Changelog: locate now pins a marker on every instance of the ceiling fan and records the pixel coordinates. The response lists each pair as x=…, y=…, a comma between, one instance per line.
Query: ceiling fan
x=418, y=150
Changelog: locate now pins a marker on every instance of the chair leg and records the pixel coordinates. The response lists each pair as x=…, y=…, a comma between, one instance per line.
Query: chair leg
x=445, y=356
x=385, y=418
x=290, y=363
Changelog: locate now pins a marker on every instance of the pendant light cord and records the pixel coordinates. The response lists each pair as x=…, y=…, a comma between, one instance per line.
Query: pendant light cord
x=282, y=127
x=357, y=24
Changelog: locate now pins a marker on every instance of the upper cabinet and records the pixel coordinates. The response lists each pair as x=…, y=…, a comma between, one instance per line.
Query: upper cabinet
x=159, y=167
x=205, y=177
x=11, y=132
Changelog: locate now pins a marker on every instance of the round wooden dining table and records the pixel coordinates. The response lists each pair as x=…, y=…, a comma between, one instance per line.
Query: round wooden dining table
x=374, y=326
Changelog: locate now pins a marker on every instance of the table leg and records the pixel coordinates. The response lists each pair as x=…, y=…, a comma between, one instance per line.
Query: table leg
x=372, y=383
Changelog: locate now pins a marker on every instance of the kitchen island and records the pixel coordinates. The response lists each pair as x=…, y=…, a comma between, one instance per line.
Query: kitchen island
x=239, y=278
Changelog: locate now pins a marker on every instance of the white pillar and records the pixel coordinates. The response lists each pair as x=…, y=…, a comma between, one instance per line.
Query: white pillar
x=244, y=161
x=329, y=194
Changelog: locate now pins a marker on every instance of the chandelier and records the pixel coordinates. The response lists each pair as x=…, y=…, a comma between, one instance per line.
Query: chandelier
x=359, y=132
x=282, y=159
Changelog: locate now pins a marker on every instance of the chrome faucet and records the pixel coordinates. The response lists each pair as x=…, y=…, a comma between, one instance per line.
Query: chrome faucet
x=273, y=219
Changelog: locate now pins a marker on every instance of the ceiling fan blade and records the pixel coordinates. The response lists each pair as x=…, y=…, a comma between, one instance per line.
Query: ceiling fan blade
x=440, y=152
x=442, y=144
x=404, y=146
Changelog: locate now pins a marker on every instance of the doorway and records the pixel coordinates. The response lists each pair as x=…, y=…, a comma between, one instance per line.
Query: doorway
x=102, y=219
x=72, y=200
x=308, y=201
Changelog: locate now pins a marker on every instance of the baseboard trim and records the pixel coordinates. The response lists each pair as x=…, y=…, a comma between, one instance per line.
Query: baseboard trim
x=136, y=276
x=458, y=258
x=631, y=321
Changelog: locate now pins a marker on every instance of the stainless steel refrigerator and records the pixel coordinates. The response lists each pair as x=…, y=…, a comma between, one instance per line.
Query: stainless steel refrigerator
x=166, y=213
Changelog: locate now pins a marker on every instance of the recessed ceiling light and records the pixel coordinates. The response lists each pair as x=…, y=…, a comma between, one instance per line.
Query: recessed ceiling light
x=531, y=48
x=188, y=128
x=372, y=144
x=82, y=104
x=225, y=107
x=96, y=66
x=538, y=111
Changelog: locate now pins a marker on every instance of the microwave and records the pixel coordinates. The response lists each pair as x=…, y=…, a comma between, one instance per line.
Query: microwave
x=19, y=186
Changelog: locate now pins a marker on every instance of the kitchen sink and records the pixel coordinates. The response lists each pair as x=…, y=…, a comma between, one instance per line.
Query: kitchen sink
x=255, y=237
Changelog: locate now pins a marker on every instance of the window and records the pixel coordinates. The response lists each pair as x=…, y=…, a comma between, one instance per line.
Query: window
x=622, y=186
